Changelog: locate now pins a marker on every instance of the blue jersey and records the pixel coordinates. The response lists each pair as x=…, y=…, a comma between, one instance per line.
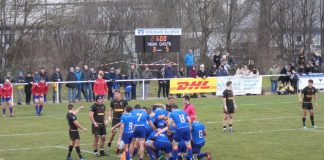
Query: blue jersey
x=160, y=138
x=128, y=120
x=180, y=118
x=141, y=117
x=160, y=122
x=197, y=132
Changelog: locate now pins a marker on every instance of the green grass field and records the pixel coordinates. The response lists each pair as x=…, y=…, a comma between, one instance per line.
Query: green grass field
x=266, y=128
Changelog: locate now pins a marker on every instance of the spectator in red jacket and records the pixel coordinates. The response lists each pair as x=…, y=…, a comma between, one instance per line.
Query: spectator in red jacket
x=6, y=93
x=189, y=108
x=39, y=89
x=100, y=88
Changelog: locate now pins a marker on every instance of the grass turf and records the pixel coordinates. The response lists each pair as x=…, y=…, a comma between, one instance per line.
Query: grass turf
x=266, y=128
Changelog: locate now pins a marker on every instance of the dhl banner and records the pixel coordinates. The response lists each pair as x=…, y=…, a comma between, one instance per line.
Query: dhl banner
x=192, y=85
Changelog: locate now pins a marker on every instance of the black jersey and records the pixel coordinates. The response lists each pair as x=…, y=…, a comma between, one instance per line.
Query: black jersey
x=118, y=108
x=71, y=118
x=98, y=112
x=308, y=92
x=228, y=94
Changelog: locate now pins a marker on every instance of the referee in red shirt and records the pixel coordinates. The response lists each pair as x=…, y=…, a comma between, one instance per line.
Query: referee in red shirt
x=189, y=108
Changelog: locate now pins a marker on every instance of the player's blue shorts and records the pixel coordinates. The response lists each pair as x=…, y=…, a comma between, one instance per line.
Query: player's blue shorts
x=139, y=132
x=161, y=124
x=38, y=97
x=182, y=148
x=148, y=131
x=182, y=134
x=197, y=147
x=6, y=99
x=164, y=146
x=127, y=137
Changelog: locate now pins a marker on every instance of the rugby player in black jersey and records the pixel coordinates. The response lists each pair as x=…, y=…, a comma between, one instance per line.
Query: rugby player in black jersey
x=73, y=131
x=98, y=117
x=229, y=107
x=305, y=97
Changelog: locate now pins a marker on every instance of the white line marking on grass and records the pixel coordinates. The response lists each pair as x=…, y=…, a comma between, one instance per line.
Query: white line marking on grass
x=85, y=151
x=27, y=134
x=47, y=116
x=38, y=147
x=282, y=130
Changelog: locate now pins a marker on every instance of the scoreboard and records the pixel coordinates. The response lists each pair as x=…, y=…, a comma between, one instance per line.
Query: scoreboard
x=157, y=40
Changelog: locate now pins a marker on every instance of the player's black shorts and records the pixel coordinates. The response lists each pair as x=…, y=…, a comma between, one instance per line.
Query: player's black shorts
x=100, y=130
x=230, y=110
x=114, y=122
x=308, y=106
x=74, y=134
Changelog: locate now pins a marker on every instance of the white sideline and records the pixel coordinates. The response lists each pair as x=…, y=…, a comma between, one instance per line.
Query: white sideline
x=27, y=134
x=84, y=151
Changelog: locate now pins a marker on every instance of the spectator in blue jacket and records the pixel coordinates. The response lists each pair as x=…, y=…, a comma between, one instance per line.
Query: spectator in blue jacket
x=86, y=75
x=79, y=85
x=189, y=61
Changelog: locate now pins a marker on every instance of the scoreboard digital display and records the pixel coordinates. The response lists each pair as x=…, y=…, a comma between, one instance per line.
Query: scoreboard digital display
x=157, y=40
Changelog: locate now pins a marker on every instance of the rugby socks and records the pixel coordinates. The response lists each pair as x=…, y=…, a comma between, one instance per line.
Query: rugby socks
x=190, y=154
x=40, y=109
x=4, y=111
x=109, y=144
x=135, y=152
x=201, y=155
x=70, y=151
x=36, y=108
x=77, y=148
x=10, y=109
x=304, y=121
x=150, y=152
x=312, y=120
x=95, y=151
x=174, y=154
x=127, y=156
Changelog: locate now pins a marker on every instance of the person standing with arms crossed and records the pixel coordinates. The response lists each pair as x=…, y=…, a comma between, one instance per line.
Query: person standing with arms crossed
x=98, y=117
x=229, y=107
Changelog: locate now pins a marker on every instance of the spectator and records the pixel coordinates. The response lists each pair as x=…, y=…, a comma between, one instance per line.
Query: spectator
x=213, y=71
x=285, y=79
x=57, y=77
x=86, y=76
x=111, y=76
x=79, y=84
x=36, y=77
x=193, y=72
x=226, y=66
x=94, y=76
x=100, y=87
x=301, y=57
x=274, y=70
x=43, y=75
x=181, y=73
x=309, y=67
x=202, y=73
x=116, y=85
x=317, y=68
x=146, y=74
x=20, y=88
x=239, y=70
x=162, y=83
x=254, y=71
x=221, y=71
x=246, y=71
x=189, y=61
x=72, y=87
x=28, y=87
x=169, y=73
x=10, y=77
x=217, y=59
x=230, y=60
x=251, y=64
x=317, y=58
x=301, y=69
x=293, y=79
x=133, y=74
x=128, y=88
